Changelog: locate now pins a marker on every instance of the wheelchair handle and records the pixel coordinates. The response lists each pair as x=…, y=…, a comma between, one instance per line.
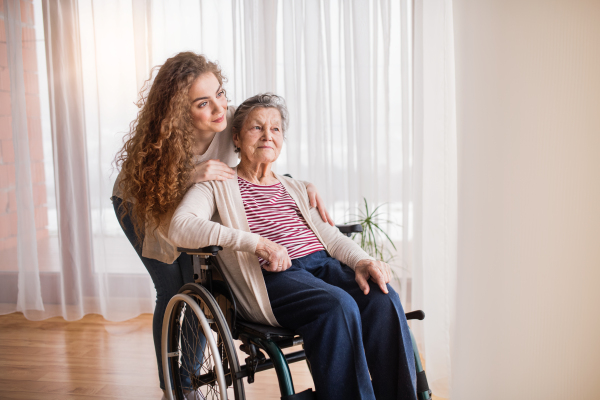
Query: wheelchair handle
x=417, y=314
x=350, y=229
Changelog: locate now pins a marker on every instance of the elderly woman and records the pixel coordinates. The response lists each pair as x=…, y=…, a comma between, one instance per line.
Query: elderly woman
x=289, y=268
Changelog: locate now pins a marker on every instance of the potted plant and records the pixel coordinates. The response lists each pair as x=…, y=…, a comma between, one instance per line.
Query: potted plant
x=373, y=239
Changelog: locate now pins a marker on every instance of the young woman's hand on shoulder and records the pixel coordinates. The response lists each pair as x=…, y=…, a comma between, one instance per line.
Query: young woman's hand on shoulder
x=211, y=170
x=316, y=200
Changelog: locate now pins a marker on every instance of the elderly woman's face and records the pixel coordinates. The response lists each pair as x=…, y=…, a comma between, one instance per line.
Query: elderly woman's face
x=261, y=137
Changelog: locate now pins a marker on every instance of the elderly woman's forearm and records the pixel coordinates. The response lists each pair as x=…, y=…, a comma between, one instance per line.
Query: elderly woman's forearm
x=193, y=232
x=348, y=252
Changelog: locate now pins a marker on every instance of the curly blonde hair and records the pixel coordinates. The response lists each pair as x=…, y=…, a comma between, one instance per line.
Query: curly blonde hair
x=156, y=158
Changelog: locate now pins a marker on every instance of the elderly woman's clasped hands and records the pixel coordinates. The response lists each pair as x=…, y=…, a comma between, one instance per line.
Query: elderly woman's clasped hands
x=276, y=255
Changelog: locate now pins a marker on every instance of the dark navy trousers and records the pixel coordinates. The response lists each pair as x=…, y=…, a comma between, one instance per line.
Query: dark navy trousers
x=358, y=346
x=168, y=279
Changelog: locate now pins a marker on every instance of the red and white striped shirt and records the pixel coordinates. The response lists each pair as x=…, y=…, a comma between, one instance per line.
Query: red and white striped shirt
x=274, y=215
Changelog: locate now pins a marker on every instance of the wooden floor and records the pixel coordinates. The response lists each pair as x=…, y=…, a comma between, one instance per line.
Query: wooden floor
x=95, y=359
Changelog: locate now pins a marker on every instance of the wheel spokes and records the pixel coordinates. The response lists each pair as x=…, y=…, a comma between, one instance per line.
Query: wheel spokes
x=196, y=358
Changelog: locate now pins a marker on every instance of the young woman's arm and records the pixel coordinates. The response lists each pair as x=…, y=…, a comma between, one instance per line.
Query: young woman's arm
x=210, y=170
x=315, y=200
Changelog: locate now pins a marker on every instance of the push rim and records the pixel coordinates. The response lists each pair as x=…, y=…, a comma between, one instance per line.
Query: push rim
x=210, y=367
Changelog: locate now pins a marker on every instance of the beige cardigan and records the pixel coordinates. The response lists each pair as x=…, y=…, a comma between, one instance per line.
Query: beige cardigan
x=156, y=244
x=212, y=213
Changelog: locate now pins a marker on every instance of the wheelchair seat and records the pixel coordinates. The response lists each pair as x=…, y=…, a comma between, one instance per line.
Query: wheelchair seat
x=264, y=331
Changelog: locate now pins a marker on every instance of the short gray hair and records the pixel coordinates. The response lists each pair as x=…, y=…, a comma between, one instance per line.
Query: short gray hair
x=264, y=100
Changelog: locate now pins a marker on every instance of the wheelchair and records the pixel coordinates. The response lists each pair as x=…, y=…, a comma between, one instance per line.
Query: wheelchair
x=199, y=356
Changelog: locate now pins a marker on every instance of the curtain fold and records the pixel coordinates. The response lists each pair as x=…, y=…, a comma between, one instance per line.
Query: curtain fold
x=435, y=189
x=255, y=33
x=70, y=162
x=29, y=297
x=142, y=34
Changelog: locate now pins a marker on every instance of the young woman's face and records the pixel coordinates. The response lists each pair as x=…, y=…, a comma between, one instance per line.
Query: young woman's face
x=209, y=104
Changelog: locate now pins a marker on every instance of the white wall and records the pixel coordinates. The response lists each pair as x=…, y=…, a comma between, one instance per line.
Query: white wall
x=528, y=104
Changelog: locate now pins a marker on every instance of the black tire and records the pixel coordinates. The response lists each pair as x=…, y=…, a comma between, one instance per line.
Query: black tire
x=204, y=384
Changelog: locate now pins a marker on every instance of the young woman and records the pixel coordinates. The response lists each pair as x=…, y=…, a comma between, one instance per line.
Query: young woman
x=180, y=137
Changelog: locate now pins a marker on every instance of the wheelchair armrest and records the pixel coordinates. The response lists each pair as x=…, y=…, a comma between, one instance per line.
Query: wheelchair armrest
x=203, y=251
x=350, y=229
x=418, y=314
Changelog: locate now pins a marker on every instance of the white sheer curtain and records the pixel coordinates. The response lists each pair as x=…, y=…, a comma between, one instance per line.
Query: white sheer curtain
x=28, y=293
x=369, y=85
x=435, y=188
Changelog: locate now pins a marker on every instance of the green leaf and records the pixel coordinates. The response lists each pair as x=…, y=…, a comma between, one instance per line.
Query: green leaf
x=374, y=238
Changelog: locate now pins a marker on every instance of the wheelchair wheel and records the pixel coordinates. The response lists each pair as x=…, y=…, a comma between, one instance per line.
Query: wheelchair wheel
x=197, y=349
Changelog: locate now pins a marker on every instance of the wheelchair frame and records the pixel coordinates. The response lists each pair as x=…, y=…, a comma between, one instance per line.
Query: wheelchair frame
x=255, y=338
